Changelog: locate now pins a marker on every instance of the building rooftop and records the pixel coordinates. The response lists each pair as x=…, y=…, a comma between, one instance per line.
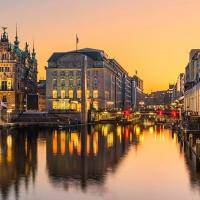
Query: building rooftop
x=95, y=54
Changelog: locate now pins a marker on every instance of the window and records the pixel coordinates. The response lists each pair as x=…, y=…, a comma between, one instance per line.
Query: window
x=9, y=84
x=62, y=73
x=71, y=73
x=95, y=94
x=71, y=82
x=4, y=85
x=55, y=94
x=54, y=82
x=78, y=94
x=88, y=93
x=71, y=94
x=4, y=99
x=79, y=82
x=63, y=82
x=62, y=94
x=95, y=82
x=78, y=73
x=95, y=105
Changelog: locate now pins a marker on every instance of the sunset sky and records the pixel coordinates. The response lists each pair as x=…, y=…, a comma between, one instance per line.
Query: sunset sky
x=153, y=37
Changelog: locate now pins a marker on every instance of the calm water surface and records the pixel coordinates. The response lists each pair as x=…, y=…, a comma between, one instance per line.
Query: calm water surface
x=100, y=162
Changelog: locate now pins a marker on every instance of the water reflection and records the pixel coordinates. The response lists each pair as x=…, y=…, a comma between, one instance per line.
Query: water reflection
x=82, y=157
x=85, y=155
x=18, y=160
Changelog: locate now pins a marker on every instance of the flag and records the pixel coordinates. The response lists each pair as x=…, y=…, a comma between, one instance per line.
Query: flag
x=77, y=41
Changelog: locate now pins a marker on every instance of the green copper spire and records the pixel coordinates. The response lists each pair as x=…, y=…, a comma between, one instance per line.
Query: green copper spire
x=16, y=42
x=34, y=61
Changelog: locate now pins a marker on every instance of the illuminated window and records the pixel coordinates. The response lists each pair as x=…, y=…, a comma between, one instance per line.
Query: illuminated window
x=62, y=94
x=96, y=105
x=95, y=93
x=79, y=107
x=88, y=93
x=9, y=84
x=71, y=94
x=55, y=94
x=78, y=94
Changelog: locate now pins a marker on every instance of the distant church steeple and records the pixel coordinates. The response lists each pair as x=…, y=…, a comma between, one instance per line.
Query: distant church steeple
x=16, y=42
x=33, y=52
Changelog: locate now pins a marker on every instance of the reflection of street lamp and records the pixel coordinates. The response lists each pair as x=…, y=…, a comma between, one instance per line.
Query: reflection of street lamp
x=8, y=114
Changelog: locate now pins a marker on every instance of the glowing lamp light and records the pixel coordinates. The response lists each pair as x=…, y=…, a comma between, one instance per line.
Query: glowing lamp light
x=174, y=113
x=126, y=113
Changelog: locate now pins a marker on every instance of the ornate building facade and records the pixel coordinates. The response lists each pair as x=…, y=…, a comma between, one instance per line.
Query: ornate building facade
x=18, y=73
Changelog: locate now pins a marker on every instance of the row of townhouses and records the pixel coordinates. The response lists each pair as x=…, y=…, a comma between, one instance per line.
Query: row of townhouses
x=192, y=82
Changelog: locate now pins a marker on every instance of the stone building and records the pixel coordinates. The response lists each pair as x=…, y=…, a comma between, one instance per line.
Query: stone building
x=137, y=91
x=192, y=83
x=178, y=90
x=18, y=73
x=108, y=84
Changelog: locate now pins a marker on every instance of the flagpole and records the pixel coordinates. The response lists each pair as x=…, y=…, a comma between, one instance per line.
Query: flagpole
x=76, y=43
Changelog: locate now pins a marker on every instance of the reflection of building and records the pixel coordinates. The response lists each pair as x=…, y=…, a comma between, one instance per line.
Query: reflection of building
x=18, y=161
x=18, y=73
x=137, y=91
x=41, y=86
x=109, y=85
x=87, y=156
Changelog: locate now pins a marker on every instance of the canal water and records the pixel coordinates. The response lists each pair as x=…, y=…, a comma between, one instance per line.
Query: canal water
x=140, y=162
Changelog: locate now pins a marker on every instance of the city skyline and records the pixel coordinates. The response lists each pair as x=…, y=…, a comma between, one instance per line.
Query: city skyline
x=153, y=38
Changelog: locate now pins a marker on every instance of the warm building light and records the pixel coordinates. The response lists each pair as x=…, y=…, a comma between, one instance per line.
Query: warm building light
x=55, y=142
x=55, y=94
x=55, y=105
x=95, y=143
x=95, y=94
x=151, y=129
x=71, y=94
x=88, y=144
x=62, y=142
x=138, y=130
x=78, y=94
x=9, y=83
x=88, y=94
x=9, y=148
x=110, y=140
x=62, y=94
